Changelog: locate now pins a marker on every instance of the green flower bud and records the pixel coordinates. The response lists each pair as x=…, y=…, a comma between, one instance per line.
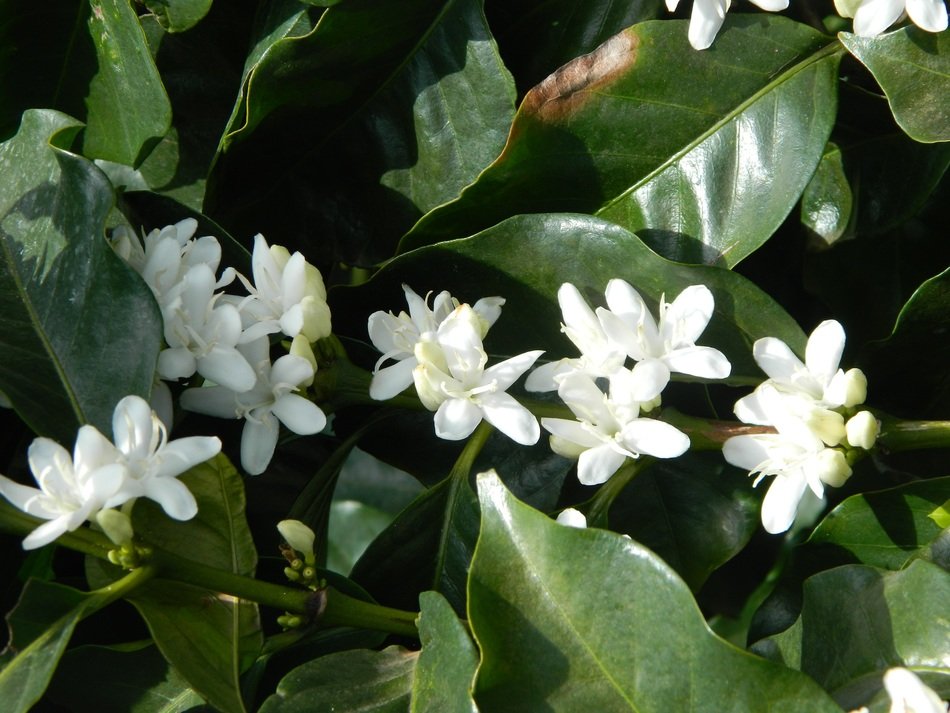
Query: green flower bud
x=298, y=536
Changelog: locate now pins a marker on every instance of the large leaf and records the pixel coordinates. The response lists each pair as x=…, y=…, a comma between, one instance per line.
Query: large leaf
x=913, y=69
x=445, y=670
x=80, y=330
x=857, y=621
x=744, y=126
x=370, y=681
x=210, y=638
x=127, y=108
x=526, y=259
x=178, y=15
x=571, y=619
x=397, y=123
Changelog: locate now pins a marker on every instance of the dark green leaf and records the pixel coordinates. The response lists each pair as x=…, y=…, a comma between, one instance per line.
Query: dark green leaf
x=396, y=124
x=857, y=621
x=142, y=682
x=371, y=681
x=445, y=670
x=210, y=638
x=695, y=512
x=353, y=526
x=40, y=626
x=526, y=259
x=570, y=619
x=913, y=68
x=80, y=329
x=721, y=145
x=827, y=202
x=128, y=110
x=178, y=15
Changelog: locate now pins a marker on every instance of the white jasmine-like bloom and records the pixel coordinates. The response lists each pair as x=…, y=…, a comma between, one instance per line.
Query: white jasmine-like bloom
x=72, y=488
x=818, y=379
x=572, y=518
x=665, y=346
x=708, y=15
x=451, y=379
x=201, y=335
x=271, y=400
x=288, y=295
x=396, y=336
x=152, y=462
x=911, y=695
x=609, y=429
x=795, y=455
x=600, y=356
x=872, y=17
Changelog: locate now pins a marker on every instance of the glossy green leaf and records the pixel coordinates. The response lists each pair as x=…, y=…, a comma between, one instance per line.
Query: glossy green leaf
x=371, y=681
x=857, y=621
x=695, y=512
x=445, y=670
x=178, y=15
x=913, y=68
x=552, y=249
x=68, y=304
x=210, y=638
x=128, y=110
x=570, y=619
x=427, y=547
x=423, y=112
x=40, y=626
x=353, y=526
x=148, y=683
x=744, y=127
x=827, y=202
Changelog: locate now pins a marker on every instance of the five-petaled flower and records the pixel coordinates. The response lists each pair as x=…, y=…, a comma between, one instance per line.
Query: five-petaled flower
x=872, y=17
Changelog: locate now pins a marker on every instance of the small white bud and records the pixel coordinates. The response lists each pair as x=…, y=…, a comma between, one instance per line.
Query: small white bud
x=298, y=536
x=116, y=525
x=863, y=430
x=833, y=468
x=827, y=425
x=300, y=346
x=572, y=518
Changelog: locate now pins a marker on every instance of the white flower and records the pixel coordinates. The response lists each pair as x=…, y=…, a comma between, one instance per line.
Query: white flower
x=600, y=356
x=663, y=347
x=795, y=455
x=451, y=379
x=818, y=379
x=609, y=429
x=201, y=335
x=269, y=401
x=72, y=489
x=153, y=463
x=396, y=336
x=910, y=695
x=862, y=430
x=872, y=17
x=708, y=15
x=288, y=295
x=572, y=518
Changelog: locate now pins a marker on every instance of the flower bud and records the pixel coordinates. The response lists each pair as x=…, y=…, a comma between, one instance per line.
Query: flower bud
x=862, y=430
x=848, y=388
x=826, y=425
x=572, y=518
x=300, y=346
x=116, y=525
x=298, y=536
x=429, y=374
x=833, y=468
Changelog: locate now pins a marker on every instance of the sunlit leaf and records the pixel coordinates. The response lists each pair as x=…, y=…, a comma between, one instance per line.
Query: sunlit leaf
x=445, y=670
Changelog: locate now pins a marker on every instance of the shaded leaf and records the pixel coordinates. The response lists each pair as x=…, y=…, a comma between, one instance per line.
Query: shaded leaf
x=178, y=15
x=858, y=621
x=445, y=671
x=353, y=526
x=570, y=619
x=361, y=680
x=127, y=108
x=68, y=304
x=721, y=146
x=827, y=201
x=913, y=68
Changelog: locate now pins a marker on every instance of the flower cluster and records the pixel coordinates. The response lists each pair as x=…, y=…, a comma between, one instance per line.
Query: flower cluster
x=609, y=427
x=440, y=350
x=806, y=403
x=225, y=338
x=101, y=475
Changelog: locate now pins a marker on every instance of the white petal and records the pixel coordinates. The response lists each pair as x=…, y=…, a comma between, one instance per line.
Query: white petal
x=456, y=419
x=584, y=398
x=174, y=497
x=572, y=431
x=185, y=453
x=224, y=323
x=489, y=308
x=650, y=377
x=930, y=15
x=824, y=349
x=228, y=367
x=596, y=465
x=299, y=414
x=507, y=372
x=908, y=693
x=749, y=452
x=511, y=418
x=750, y=409
x=132, y=427
x=19, y=495
x=781, y=503
x=545, y=377
x=704, y=362
x=687, y=316
x=291, y=321
x=771, y=5
x=290, y=369
x=176, y=363
x=622, y=332
x=776, y=359
x=210, y=400
x=704, y=22
x=624, y=301
x=92, y=451
x=392, y=380
x=47, y=532
x=258, y=441
x=875, y=16
x=655, y=438
x=572, y=518
x=382, y=327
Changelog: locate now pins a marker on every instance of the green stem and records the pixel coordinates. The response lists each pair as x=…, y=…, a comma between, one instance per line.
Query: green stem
x=913, y=435
x=343, y=610
x=602, y=500
x=125, y=586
